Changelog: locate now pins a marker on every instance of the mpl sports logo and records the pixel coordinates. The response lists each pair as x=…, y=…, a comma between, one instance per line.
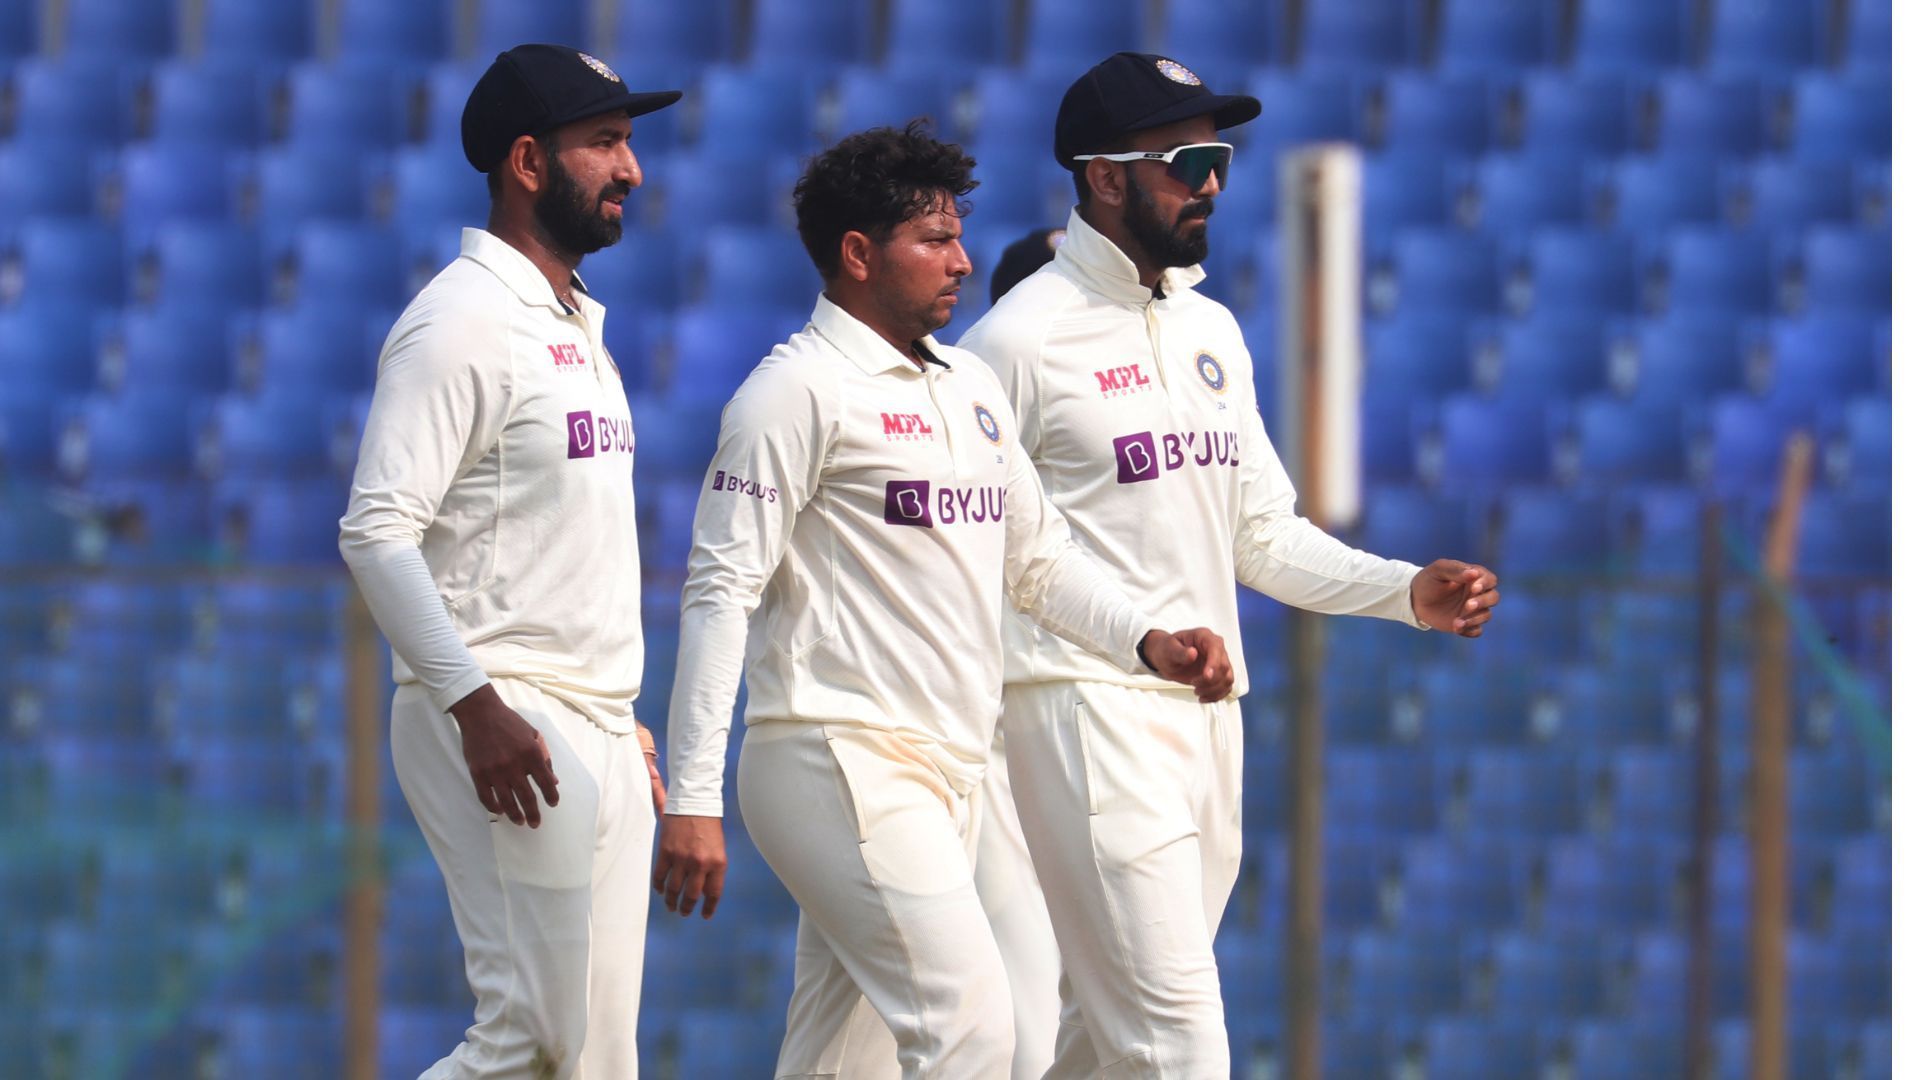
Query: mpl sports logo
x=1144, y=456
x=920, y=504
x=1121, y=381
x=904, y=427
x=588, y=435
x=567, y=357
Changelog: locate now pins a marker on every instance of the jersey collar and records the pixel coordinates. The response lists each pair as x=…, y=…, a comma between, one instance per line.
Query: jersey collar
x=1097, y=264
x=862, y=344
x=517, y=272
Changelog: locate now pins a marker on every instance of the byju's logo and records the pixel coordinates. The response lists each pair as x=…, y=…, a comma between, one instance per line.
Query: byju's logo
x=725, y=481
x=579, y=434
x=1135, y=457
x=909, y=503
x=919, y=503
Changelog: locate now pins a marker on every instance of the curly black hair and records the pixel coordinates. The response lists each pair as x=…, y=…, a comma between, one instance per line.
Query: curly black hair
x=874, y=181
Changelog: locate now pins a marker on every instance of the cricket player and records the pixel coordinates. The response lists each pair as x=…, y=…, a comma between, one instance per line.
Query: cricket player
x=491, y=530
x=867, y=509
x=1133, y=394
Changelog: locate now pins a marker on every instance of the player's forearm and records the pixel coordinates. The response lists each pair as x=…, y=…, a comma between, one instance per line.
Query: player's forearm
x=713, y=641
x=1298, y=564
x=1073, y=598
x=407, y=607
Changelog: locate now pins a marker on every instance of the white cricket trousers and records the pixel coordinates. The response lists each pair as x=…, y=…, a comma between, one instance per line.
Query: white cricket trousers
x=554, y=919
x=877, y=849
x=1130, y=801
x=1010, y=891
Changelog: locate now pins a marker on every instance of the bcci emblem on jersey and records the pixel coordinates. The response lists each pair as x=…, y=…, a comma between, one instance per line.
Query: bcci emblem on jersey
x=1211, y=373
x=988, y=425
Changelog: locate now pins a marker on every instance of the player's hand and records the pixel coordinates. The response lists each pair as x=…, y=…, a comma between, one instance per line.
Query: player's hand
x=1197, y=657
x=659, y=788
x=1456, y=597
x=692, y=866
x=503, y=752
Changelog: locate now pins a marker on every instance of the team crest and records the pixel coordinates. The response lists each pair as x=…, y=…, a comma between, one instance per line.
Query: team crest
x=1178, y=73
x=1211, y=372
x=988, y=425
x=596, y=65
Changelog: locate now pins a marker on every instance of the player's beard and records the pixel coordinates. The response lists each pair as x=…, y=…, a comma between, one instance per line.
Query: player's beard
x=1167, y=243
x=573, y=221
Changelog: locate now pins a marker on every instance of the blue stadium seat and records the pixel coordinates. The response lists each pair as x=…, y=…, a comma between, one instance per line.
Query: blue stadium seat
x=808, y=35
x=122, y=438
x=18, y=31
x=869, y=98
x=164, y=182
x=1220, y=41
x=1591, y=706
x=1551, y=533
x=1401, y=190
x=295, y=1042
x=1786, y=195
x=1849, y=270
x=301, y=183
x=1702, y=114
x=1471, y=1047
x=181, y=346
x=1842, y=118
x=1496, y=37
x=1445, y=114
x=1862, y=456
x=209, y=101
x=444, y=94
x=1582, y=114
x=1300, y=107
x=351, y=265
x=1765, y=37
x=1012, y=189
x=1383, y=791
x=271, y=780
x=411, y=32
x=1367, y=36
x=93, y=782
x=1546, y=357
x=247, y=29
x=1628, y=1049
x=1575, y=270
x=413, y=1037
x=123, y=31
x=1518, y=794
x=698, y=192
x=1851, y=542
x=749, y=113
x=1717, y=270
x=1816, y=360
x=264, y=615
x=279, y=433
x=1745, y=439
x=70, y=259
x=723, y=1042
x=1604, y=886
x=1392, y=977
x=171, y=883
x=715, y=347
x=206, y=263
x=1863, y=887
x=760, y=267
x=1808, y=1052
x=1463, y=705
x=1404, y=522
x=37, y=181
x=48, y=346
x=1632, y=36
x=32, y=534
x=1066, y=37
x=432, y=183
x=1000, y=120
x=287, y=522
x=1681, y=358
x=671, y=536
x=682, y=439
x=499, y=25
x=1650, y=195
x=1423, y=351
x=1869, y=41
x=1440, y=269
x=30, y=433
x=639, y=272
x=150, y=522
x=68, y=100
x=1649, y=791
x=1628, y=442
x=1480, y=441
x=1514, y=196
x=650, y=32
x=202, y=695
x=119, y=967
x=350, y=103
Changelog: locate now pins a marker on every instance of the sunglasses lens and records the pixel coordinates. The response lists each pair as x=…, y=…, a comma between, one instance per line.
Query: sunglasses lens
x=1191, y=164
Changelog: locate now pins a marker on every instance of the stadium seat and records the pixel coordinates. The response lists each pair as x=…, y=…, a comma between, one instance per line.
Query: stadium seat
x=1628, y=1049
x=750, y=113
x=1517, y=795
x=1549, y=356
x=72, y=260
x=1401, y=190
x=30, y=430
x=37, y=181
x=715, y=347
x=1863, y=887
x=297, y=1043
x=1550, y=533
x=340, y=265
x=67, y=100
x=277, y=434
x=1444, y=114
x=866, y=98
x=1573, y=270
x=413, y=1037
x=95, y=782
x=1861, y=457
x=1599, y=887
x=1440, y=270
x=1628, y=442
x=274, y=779
x=1815, y=361
x=286, y=522
x=970, y=38
x=1495, y=37
x=247, y=29
x=19, y=29
x=1382, y=791
x=1869, y=40
x=499, y=25
x=1422, y=351
x=1012, y=190
x=1301, y=107
x=1551, y=977
x=1647, y=791
x=1701, y=114
x=1852, y=542
x=432, y=183
x=119, y=31
x=1220, y=41
x=1460, y=705
x=181, y=346
x=1367, y=36
x=1784, y=195
x=205, y=263
x=32, y=534
x=444, y=93
x=300, y=183
x=198, y=695
x=1764, y=37
x=122, y=438
x=1514, y=196
x=1715, y=270
x=1592, y=115
x=413, y=32
x=1632, y=36
x=1681, y=358
x=1590, y=706
x=1480, y=441
x=1471, y=1047
x=650, y=32
x=1848, y=270
x=813, y=36
x=350, y=103
x=161, y=183
x=1842, y=118
x=1648, y=196
x=47, y=346
x=1392, y=977
x=1066, y=37
x=207, y=101
x=758, y=267
x=1403, y=522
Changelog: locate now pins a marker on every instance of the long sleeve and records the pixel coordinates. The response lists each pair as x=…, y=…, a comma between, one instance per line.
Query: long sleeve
x=774, y=438
x=441, y=401
x=1051, y=579
x=1289, y=558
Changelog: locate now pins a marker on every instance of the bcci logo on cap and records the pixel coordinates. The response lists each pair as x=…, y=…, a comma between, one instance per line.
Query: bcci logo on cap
x=599, y=67
x=1178, y=73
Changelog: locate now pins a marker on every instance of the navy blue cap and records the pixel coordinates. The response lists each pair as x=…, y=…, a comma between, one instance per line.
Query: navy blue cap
x=1132, y=91
x=534, y=88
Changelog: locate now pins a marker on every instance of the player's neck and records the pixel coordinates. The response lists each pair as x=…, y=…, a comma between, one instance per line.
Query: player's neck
x=860, y=305
x=1122, y=238
x=529, y=239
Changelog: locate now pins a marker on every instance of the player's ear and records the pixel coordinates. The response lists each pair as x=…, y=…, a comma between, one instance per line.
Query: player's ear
x=526, y=164
x=1107, y=181
x=856, y=254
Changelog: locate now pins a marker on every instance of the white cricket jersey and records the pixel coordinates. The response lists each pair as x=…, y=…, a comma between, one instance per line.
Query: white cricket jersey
x=491, y=521
x=859, y=527
x=1138, y=411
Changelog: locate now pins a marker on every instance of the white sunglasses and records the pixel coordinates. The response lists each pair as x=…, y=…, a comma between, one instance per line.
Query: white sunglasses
x=1188, y=164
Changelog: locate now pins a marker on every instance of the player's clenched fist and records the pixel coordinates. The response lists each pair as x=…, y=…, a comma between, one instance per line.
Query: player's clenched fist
x=503, y=751
x=1197, y=657
x=692, y=866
